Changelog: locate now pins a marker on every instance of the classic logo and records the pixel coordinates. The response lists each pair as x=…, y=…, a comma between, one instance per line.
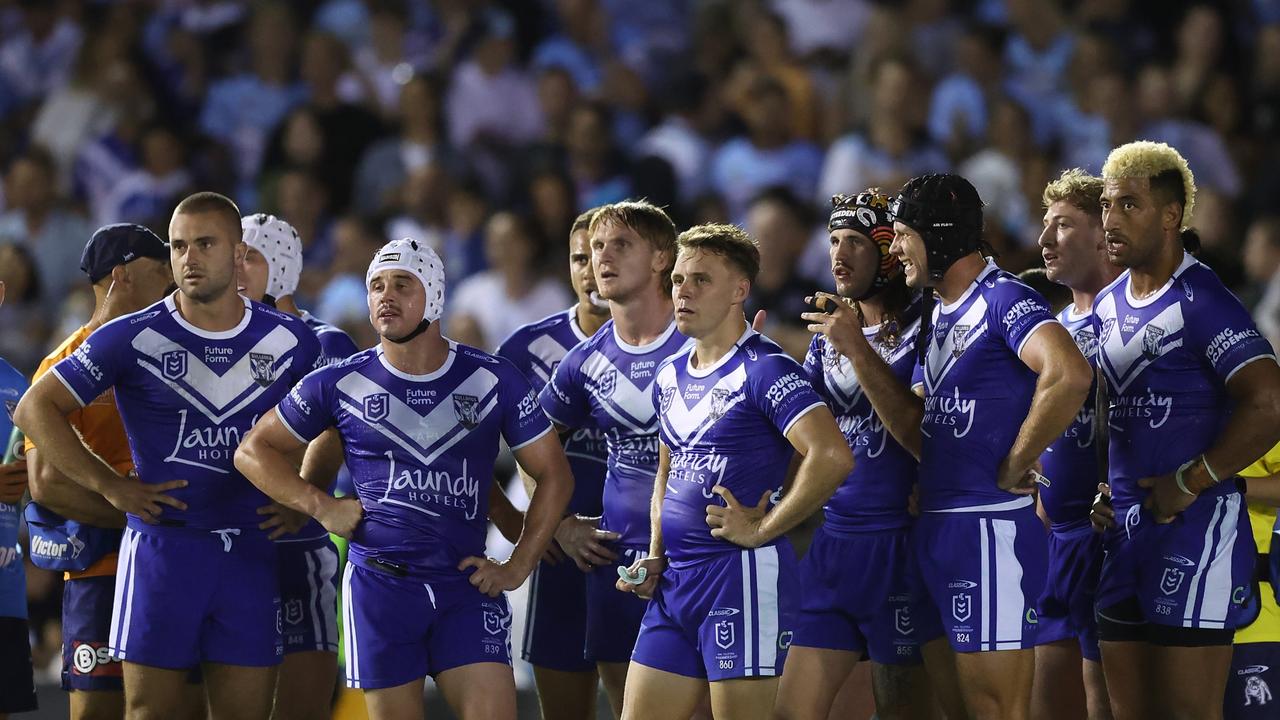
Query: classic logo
x=1151, y=341
x=1180, y=560
x=719, y=399
x=606, y=384
x=260, y=368
x=1171, y=580
x=466, y=408
x=724, y=634
x=959, y=336
x=665, y=397
x=902, y=620
x=961, y=606
x=293, y=612
x=376, y=406
x=174, y=364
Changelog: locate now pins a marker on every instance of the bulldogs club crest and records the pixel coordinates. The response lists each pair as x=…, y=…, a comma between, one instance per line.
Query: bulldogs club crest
x=830, y=358
x=174, y=364
x=959, y=336
x=719, y=403
x=1152, y=339
x=1087, y=341
x=376, y=406
x=665, y=397
x=606, y=384
x=724, y=634
x=467, y=410
x=260, y=368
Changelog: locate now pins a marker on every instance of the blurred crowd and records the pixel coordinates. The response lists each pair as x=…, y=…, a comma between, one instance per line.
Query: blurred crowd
x=483, y=128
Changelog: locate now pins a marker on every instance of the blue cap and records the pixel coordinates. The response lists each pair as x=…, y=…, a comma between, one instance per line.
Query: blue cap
x=118, y=244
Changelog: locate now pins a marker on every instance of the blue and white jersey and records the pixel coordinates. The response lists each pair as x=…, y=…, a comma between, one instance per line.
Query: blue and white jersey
x=1167, y=359
x=606, y=383
x=536, y=349
x=13, y=575
x=186, y=397
x=420, y=448
x=1071, y=462
x=874, y=496
x=726, y=425
x=977, y=392
x=335, y=344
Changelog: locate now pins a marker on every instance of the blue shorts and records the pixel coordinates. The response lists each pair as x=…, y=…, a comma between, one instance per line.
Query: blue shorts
x=862, y=595
x=1195, y=572
x=727, y=616
x=613, y=617
x=399, y=629
x=86, y=625
x=555, y=630
x=1066, y=605
x=984, y=572
x=309, y=595
x=1255, y=670
x=186, y=596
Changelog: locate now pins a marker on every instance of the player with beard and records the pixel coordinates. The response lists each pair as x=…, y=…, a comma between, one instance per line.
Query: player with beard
x=1074, y=252
x=861, y=599
x=420, y=419
x=604, y=382
x=1194, y=399
x=555, y=624
x=197, y=579
x=734, y=411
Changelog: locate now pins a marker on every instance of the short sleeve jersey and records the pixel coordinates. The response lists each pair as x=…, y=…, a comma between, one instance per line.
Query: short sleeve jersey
x=1167, y=359
x=726, y=425
x=420, y=448
x=187, y=396
x=874, y=495
x=977, y=391
x=536, y=350
x=606, y=383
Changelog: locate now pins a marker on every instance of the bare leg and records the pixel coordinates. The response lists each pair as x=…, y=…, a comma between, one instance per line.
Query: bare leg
x=566, y=695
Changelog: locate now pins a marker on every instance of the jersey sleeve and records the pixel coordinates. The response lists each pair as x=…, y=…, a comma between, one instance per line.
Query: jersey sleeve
x=522, y=418
x=564, y=399
x=813, y=363
x=1016, y=312
x=917, y=373
x=94, y=366
x=1221, y=331
x=514, y=350
x=779, y=387
x=307, y=410
x=307, y=355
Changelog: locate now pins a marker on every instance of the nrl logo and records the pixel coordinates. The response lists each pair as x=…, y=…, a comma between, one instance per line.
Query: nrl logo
x=293, y=612
x=466, y=408
x=961, y=606
x=724, y=634
x=1171, y=580
x=174, y=364
x=1107, y=326
x=665, y=397
x=260, y=368
x=606, y=384
x=376, y=406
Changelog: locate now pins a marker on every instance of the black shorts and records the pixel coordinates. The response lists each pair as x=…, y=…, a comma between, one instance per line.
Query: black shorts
x=1124, y=622
x=17, y=683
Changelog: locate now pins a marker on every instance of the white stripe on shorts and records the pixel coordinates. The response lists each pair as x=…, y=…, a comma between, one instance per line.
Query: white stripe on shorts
x=1010, y=604
x=1214, y=596
x=748, y=615
x=766, y=593
x=349, y=629
x=984, y=583
x=122, y=607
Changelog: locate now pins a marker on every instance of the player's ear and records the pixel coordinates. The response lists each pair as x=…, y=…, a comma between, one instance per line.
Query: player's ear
x=241, y=251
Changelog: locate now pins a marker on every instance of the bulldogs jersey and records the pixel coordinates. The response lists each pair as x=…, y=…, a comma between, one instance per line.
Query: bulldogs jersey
x=420, y=448
x=606, y=383
x=335, y=345
x=1070, y=462
x=187, y=396
x=874, y=496
x=726, y=425
x=977, y=391
x=536, y=349
x=1167, y=359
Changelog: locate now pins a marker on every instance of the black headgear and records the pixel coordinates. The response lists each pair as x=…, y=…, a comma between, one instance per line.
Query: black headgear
x=868, y=213
x=947, y=212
